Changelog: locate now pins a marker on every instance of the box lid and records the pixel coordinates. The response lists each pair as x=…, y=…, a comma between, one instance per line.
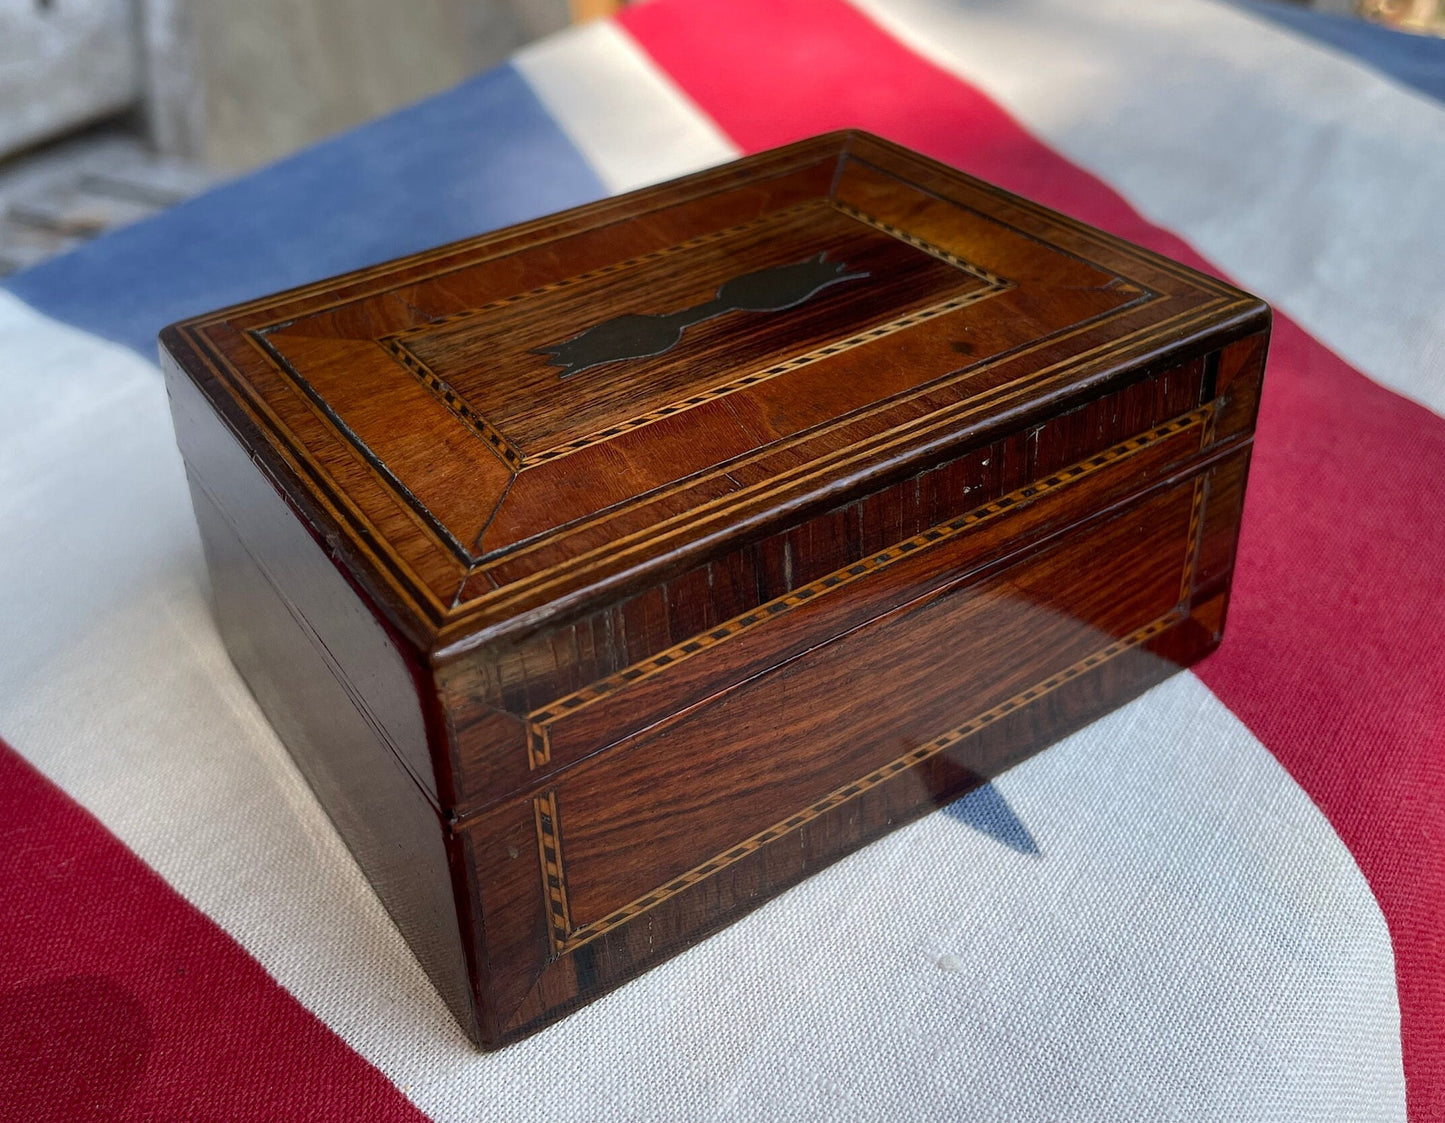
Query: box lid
x=511, y=426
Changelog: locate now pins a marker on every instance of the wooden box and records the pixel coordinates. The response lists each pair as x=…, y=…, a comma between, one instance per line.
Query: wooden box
x=608, y=574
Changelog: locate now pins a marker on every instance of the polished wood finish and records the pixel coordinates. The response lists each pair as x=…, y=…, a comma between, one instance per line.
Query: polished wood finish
x=665, y=550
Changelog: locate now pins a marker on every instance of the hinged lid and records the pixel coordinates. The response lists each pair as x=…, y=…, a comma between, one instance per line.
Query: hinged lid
x=510, y=425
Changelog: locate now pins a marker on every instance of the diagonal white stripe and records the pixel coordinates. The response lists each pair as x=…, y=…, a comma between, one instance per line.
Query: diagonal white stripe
x=1310, y=178
x=625, y=115
x=1192, y=941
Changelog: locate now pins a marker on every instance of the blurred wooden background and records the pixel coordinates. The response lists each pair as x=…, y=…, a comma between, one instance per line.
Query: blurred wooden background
x=235, y=84
x=111, y=109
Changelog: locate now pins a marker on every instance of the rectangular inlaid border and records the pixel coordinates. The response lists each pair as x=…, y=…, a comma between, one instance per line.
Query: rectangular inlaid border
x=513, y=458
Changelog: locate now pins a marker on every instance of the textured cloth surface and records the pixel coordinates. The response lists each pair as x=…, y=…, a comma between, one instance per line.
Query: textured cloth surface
x=1223, y=902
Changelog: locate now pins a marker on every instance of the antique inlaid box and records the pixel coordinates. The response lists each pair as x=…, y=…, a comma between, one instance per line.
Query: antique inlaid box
x=608, y=574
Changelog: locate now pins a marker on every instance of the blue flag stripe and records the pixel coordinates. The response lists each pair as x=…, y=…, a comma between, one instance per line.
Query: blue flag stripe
x=480, y=156
x=1417, y=61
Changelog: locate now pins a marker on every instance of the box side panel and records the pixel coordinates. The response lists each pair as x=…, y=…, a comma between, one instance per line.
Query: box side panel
x=634, y=853
x=295, y=660
x=355, y=644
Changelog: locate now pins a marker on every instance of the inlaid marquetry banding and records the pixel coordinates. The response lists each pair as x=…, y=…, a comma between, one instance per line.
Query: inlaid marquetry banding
x=396, y=344
x=479, y=425
x=549, y=851
x=917, y=243
x=1206, y=438
x=985, y=275
x=539, y=746
x=1196, y=526
x=612, y=267
x=538, y=751
x=566, y=938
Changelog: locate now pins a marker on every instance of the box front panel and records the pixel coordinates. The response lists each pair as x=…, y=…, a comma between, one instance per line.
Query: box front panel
x=937, y=678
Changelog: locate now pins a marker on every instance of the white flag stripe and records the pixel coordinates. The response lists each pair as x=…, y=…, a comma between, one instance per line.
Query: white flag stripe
x=625, y=115
x=1307, y=176
x=1193, y=939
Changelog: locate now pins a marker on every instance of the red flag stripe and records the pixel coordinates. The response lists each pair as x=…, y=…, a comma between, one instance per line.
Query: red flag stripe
x=170, y=1019
x=1334, y=658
